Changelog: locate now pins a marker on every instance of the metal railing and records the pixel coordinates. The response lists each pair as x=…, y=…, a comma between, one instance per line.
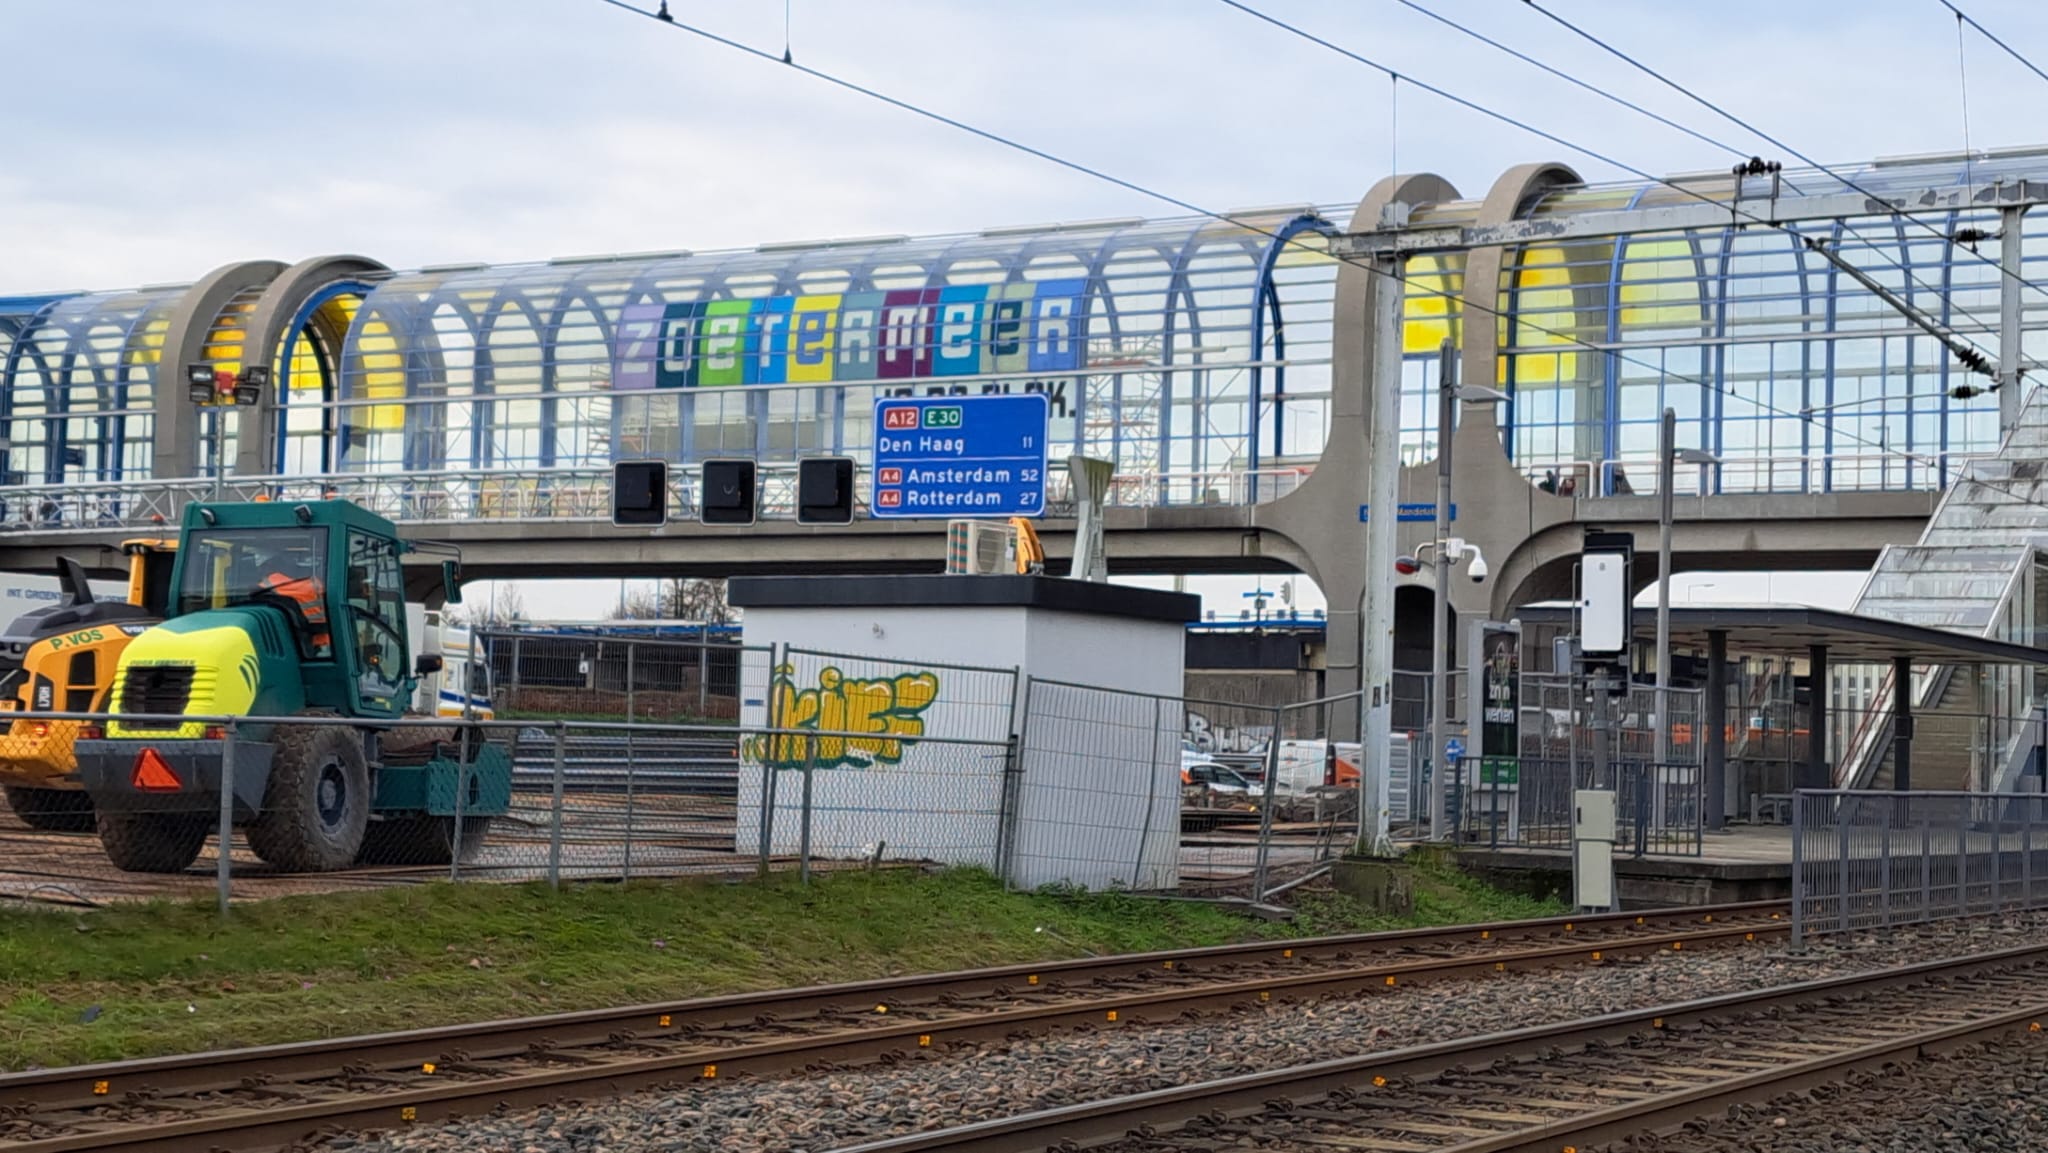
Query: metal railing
x=583, y=494
x=1864, y=860
x=540, y=495
x=1527, y=802
x=1741, y=475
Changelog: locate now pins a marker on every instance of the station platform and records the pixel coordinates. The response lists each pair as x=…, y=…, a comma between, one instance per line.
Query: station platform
x=1741, y=863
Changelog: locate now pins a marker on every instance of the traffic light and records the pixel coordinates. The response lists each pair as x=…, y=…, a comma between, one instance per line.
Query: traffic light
x=727, y=495
x=639, y=493
x=824, y=490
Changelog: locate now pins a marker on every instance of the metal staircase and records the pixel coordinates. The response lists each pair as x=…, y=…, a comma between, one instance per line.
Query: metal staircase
x=1972, y=572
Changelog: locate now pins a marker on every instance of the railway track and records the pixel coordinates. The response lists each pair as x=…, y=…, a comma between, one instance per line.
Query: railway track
x=274, y=1096
x=1558, y=1087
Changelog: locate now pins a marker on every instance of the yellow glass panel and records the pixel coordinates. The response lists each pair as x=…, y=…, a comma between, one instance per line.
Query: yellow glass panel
x=383, y=377
x=148, y=345
x=1544, y=318
x=1429, y=304
x=1659, y=284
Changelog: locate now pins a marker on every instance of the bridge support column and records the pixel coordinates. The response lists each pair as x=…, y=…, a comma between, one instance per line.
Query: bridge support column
x=1815, y=774
x=1714, y=718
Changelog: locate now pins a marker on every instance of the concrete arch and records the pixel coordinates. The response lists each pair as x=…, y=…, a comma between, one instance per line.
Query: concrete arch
x=268, y=340
x=1324, y=509
x=175, y=452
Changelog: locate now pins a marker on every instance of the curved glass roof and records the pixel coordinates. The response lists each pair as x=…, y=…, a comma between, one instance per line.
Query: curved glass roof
x=1142, y=333
x=80, y=376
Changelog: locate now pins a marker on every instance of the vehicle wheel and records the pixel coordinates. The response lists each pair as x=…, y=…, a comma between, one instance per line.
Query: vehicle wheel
x=421, y=840
x=51, y=810
x=317, y=804
x=153, y=842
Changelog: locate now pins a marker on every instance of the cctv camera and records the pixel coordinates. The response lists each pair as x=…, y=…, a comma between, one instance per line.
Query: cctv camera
x=1477, y=569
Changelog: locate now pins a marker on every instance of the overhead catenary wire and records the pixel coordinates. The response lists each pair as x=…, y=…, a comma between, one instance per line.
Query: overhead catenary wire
x=1977, y=363
x=1746, y=126
x=1568, y=78
x=1847, y=226
x=1451, y=300
x=2015, y=53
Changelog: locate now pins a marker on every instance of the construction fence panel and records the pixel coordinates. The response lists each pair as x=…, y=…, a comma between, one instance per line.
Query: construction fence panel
x=1869, y=859
x=1312, y=809
x=1097, y=800
x=52, y=839
x=911, y=759
x=543, y=676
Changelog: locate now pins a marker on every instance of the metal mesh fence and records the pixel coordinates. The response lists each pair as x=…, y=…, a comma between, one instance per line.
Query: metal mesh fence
x=910, y=761
x=1658, y=806
x=1872, y=859
x=1097, y=800
x=538, y=676
x=322, y=804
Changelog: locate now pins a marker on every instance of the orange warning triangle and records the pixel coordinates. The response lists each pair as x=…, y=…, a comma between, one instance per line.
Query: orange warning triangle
x=153, y=773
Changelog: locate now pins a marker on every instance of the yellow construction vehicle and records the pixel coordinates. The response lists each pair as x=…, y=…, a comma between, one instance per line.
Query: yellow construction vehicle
x=62, y=659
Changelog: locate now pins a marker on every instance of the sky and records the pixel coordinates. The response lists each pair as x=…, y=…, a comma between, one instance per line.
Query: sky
x=151, y=143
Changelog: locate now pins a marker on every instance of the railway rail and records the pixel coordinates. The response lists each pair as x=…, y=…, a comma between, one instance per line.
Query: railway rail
x=1554, y=1087
x=273, y=1096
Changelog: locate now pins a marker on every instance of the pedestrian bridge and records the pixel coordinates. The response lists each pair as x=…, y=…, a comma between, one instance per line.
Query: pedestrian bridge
x=1223, y=367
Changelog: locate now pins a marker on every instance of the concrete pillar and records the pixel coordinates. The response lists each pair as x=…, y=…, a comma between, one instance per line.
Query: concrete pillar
x=177, y=420
x=1902, y=724
x=1322, y=514
x=1815, y=774
x=1714, y=718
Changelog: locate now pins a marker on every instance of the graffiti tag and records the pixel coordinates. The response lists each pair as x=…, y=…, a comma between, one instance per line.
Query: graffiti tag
x=886, y=717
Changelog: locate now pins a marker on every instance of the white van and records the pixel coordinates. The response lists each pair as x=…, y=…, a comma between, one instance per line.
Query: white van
x=1309, y=765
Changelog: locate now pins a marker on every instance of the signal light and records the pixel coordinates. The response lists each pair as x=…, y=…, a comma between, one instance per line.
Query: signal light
x=824, y=490
x=726, y=495
x=1407, y=565
x=639, y=493
x=153, y=774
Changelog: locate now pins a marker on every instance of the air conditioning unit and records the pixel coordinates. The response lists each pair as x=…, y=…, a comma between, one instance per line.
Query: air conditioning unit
x=980, y=547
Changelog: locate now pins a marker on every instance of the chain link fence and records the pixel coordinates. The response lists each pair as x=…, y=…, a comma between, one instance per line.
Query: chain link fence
x=1874, y=859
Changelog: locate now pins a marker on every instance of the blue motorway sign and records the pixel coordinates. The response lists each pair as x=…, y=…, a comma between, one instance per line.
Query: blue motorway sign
x=960, y=456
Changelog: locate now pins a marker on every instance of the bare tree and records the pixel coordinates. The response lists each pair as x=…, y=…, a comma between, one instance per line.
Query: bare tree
x=685, y=600
x=505, y=606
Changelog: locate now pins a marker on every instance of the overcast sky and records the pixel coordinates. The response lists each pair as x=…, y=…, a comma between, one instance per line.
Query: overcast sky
x=150, y=143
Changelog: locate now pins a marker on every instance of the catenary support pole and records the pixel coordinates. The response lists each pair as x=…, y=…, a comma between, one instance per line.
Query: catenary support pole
x=1383, y=494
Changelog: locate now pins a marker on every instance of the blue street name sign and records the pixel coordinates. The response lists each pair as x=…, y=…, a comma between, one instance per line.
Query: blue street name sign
x=960, y=456
x=1410, y=512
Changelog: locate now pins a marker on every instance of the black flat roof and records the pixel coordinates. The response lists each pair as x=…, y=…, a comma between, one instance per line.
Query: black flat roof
x=1792, y=630
x=1005, y=591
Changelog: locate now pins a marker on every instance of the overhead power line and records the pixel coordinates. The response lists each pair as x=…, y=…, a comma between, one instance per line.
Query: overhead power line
x=1980, y=362
x=1568, y=78
x=664, y=18
x=2015, y=53
x=1746, y=126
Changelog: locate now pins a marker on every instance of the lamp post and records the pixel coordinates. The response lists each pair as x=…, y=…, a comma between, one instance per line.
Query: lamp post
x=1668, y=456
x=1448, y=548
x=218, y=389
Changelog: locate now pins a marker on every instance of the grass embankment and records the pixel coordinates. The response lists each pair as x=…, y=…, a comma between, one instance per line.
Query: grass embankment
x=142, y=980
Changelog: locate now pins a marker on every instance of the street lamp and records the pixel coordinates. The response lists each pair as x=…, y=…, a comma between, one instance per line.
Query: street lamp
x=1448, y=392
x=1668, y=456
x=217, y=389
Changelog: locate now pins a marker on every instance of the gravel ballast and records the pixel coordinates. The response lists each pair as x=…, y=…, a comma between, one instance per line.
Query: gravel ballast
x=810, y=1113
x=1990, y=1098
